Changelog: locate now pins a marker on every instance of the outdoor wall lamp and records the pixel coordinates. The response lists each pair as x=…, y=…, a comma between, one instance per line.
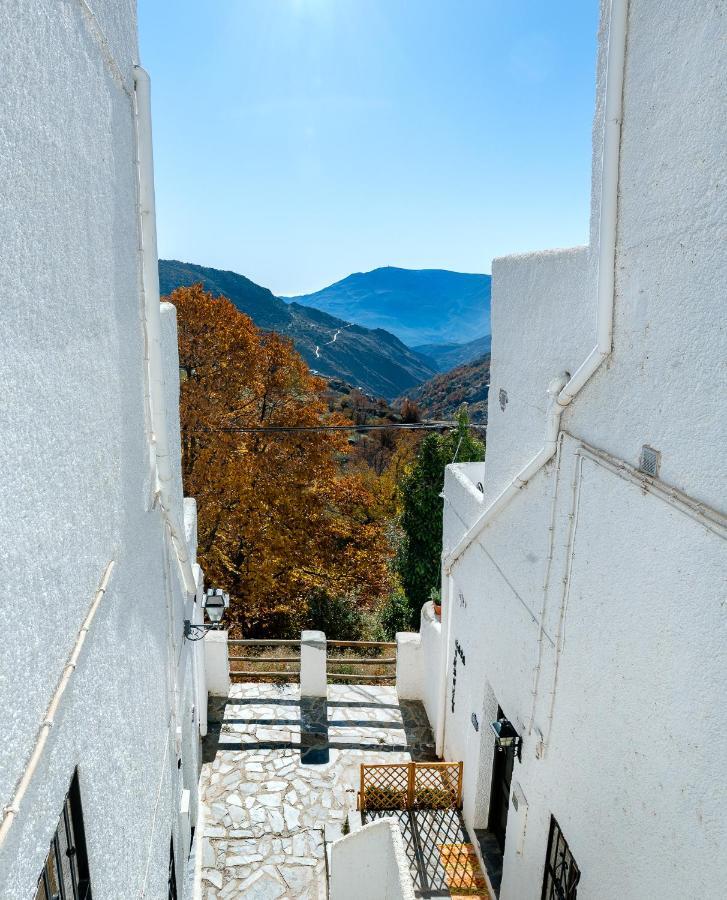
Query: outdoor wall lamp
x=506, y=736
x=214, y=603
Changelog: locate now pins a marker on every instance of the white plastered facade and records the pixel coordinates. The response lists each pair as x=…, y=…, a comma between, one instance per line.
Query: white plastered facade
x=592, y=609
x=77, y=468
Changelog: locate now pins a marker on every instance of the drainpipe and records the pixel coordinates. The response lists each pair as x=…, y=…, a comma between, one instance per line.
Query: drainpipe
x=568, y=390
x=150, y=266
x=605, y=283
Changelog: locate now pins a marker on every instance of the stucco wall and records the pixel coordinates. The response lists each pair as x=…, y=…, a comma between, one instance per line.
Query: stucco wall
x=592, y=609
x=430, y=632
x=370, y=863
x=74, y=459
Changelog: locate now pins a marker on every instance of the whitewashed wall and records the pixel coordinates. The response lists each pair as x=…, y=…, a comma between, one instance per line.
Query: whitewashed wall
x=75, y=464
x=629, y=730
x=371, y=863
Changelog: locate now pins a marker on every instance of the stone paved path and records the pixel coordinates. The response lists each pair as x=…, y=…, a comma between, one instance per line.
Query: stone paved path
x=280, y=776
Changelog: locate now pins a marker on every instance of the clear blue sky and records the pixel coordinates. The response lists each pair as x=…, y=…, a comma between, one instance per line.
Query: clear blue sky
x=297, y=141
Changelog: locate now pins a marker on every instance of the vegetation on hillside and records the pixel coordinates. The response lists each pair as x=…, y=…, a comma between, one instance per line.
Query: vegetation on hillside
x=374, y=360
x=281, y=525
x=442, y=396
x=338, y=530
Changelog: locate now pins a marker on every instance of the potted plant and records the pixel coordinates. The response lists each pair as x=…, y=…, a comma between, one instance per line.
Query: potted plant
x=436, y=599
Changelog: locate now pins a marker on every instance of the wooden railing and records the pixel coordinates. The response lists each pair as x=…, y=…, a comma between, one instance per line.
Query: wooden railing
x=412, y=785
x=287, y=673
x=363, y=655
x=341, y=663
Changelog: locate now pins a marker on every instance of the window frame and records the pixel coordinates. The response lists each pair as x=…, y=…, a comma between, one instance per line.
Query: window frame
x=71, y=875
x=560, y=880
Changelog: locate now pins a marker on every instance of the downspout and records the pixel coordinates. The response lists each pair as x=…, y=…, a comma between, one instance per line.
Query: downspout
x=569, y=389
x=150, y=263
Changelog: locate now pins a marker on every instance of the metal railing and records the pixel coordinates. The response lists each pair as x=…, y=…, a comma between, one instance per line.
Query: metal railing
x=343, y=664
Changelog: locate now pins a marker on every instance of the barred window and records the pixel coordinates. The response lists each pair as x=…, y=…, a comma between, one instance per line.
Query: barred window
x=172, y=883
x=561, y=872
x=65, y=873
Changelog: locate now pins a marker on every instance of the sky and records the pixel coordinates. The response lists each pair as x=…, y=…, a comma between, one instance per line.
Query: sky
x=297, y=141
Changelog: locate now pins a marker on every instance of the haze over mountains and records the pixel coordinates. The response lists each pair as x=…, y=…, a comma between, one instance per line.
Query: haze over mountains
x=419, y=306
x=351, y=345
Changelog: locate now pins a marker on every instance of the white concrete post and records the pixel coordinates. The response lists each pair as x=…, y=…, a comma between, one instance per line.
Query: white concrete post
x=313, y=676
x=409, y=666
x=217, y=664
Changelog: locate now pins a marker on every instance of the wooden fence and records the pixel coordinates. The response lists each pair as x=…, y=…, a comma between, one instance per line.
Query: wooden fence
x=413, y=785
x=349, y=661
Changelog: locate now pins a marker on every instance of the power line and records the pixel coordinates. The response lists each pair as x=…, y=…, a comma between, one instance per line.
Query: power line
x=291, y=429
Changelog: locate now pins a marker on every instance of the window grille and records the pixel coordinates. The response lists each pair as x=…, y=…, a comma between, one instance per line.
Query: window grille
x=65, y=873
x=172, y=895
x=561, y=872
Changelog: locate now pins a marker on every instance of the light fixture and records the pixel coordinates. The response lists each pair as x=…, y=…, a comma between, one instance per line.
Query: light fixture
x=506, y=736
x=215, y=602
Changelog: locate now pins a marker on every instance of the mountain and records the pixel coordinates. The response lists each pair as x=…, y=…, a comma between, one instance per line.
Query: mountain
x=441, y=397
x=371, y=359
x=419, y=306
x=447, y=356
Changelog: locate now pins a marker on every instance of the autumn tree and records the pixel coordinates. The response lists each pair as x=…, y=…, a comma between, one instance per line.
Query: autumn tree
x=279, y=522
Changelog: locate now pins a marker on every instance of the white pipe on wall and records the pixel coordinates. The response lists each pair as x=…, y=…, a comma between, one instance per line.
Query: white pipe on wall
x=150, y=262
x=605, y=281
x=12, y=809
x=605, y=296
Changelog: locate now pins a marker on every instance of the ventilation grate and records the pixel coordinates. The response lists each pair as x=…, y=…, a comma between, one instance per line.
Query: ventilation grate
x=649, y=461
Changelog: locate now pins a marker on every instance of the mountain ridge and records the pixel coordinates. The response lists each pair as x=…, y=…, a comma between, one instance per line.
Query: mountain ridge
x=374, y=360
x=419, y=306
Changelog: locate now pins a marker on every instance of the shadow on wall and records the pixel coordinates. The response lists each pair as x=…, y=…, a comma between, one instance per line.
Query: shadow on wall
x=437, y=846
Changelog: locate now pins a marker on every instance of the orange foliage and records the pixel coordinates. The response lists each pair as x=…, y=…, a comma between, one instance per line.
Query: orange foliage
x=277, y=518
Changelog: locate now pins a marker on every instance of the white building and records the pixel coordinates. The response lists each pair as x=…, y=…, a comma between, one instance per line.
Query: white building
x=584, y=570
x=98, y=687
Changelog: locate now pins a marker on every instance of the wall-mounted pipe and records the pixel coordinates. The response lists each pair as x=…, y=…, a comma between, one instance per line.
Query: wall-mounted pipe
x=605, y=281
x=12, y=809
x=568, y=390
x=150, y=265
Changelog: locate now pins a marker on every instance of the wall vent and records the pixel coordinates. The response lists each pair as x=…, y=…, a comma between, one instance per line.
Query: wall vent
x=649, y=461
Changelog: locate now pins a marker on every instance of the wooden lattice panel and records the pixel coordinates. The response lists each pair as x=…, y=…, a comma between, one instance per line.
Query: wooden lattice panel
x=411, y=786
x=384, y=786
x=436, y=785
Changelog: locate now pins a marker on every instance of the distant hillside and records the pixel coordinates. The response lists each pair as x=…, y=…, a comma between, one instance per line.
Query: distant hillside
x=441, y=397
x=373, y=360
x=419, y=306
x=447, y=356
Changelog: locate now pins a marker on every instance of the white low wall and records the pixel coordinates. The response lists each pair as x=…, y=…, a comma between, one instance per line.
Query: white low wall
x=313, y=674
x=430, y=632
x=371, y=863
x=417, y=664
x=409, y=669
x=217, y=664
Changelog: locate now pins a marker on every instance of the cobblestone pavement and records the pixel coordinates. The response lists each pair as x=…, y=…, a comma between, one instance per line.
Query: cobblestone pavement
x=281, y=774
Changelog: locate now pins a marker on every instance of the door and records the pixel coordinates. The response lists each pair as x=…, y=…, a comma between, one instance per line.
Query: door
x=500, y=793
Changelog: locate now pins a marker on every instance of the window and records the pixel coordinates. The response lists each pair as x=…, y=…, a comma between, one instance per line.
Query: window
x=65, y=873
x=561, y=872
x=172, y=874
